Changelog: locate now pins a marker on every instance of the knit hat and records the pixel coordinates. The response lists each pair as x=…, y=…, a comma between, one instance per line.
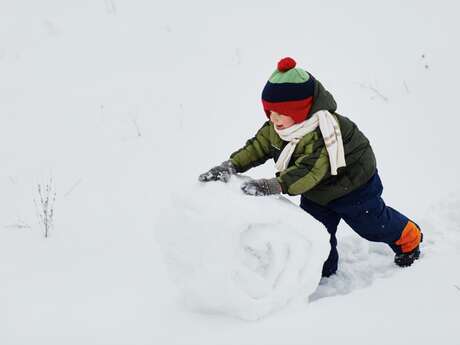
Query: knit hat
x=289, y=91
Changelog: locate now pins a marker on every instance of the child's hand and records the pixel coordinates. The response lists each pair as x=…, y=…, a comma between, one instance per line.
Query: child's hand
x=221, y=172
x=262, y=187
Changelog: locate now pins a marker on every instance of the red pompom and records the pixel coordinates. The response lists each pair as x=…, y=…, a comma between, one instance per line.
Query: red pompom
x=286, y=64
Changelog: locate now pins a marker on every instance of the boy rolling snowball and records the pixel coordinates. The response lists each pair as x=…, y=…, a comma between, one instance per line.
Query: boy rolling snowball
x=326, y=159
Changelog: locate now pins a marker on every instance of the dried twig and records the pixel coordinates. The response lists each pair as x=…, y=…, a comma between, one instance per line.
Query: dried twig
x=110, y=6
x=406, y=87
x=136, y=125
x=45, y=205
x=50, y=28
x=375, y=91
x=72, y=188
x=19, y=225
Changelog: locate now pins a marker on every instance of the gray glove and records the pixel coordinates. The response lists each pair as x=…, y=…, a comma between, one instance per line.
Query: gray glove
x=262, y=187
x=221, y=172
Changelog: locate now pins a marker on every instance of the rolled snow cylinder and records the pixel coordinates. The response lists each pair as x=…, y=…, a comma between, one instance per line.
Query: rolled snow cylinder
x=240, y=255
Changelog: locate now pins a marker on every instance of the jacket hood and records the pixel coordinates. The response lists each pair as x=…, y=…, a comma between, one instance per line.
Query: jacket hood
x=322, y=100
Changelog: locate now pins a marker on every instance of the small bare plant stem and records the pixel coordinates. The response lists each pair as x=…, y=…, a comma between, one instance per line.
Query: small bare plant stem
x=47, y=198
x=375, y=91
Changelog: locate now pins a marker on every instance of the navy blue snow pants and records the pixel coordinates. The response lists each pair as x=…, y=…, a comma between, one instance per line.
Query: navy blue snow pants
x=365, y=212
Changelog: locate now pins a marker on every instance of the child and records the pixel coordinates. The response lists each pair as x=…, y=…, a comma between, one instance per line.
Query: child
x=325, y=158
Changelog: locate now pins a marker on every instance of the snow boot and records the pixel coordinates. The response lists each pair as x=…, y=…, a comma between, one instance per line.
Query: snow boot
x=330, y=265
x=407, y=259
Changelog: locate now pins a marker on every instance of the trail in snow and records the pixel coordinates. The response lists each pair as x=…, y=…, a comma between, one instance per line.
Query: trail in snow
x=362, y=262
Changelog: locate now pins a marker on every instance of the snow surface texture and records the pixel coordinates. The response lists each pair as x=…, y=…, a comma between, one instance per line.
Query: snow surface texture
x=118, y=100
x=237, y=254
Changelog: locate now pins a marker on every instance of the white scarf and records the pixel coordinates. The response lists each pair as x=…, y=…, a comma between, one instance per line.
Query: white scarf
x=331, y=134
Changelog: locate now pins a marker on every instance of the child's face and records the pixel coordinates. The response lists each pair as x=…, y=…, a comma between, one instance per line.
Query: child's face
x=281, y=121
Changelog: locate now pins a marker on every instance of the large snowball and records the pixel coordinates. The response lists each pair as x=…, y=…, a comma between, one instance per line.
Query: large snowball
x=240, y=255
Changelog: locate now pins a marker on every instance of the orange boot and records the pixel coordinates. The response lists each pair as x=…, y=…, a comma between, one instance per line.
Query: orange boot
x=409, y=242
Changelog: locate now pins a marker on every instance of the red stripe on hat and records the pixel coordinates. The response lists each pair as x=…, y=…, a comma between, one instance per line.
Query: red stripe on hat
x=297, y=110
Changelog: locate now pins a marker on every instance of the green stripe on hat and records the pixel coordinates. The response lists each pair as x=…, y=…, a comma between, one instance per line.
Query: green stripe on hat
x=294, y=75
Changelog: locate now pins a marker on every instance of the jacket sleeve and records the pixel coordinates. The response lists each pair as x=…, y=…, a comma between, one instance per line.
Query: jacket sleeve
x=256, y=151
x=306, y=172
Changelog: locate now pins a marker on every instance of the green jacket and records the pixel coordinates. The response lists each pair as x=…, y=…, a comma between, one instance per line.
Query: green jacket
x=309, y=171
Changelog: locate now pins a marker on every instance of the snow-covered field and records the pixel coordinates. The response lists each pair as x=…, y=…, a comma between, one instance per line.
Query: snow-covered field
x=123, y=103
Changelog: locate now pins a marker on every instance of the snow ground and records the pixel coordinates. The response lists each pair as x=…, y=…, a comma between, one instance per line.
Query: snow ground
x=125, y=102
